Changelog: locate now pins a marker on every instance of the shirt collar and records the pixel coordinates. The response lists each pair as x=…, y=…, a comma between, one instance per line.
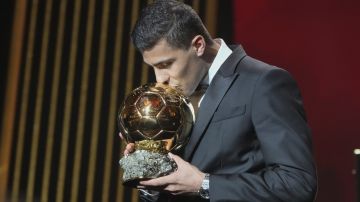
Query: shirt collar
x=223, y=53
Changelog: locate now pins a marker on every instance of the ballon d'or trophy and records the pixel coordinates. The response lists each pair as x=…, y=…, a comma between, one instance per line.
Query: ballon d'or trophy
x=158, y=119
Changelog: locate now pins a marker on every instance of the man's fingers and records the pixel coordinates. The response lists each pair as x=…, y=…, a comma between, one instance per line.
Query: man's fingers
x=140, y=187
x=178, y=160
x=130, y=148
x=157, y=182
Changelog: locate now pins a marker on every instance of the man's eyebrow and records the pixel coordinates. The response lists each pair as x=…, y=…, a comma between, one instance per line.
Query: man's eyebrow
x=163, y=61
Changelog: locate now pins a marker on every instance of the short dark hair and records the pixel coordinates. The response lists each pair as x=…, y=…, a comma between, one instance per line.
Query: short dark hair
x=171, y=20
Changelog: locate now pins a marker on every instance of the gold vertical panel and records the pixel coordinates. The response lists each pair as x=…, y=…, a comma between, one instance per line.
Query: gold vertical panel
x=129, y=81
x=10, y=96
x=55, y=88
x=98, y=100
x=196, y=5
x=211, y=16
x=68, y=102
x=134, y=16
x=24, y=103
x=83, y=101
x=144, y=66
x=53, y=103
x=39, y=103
x=131, y=58
x=113, y=103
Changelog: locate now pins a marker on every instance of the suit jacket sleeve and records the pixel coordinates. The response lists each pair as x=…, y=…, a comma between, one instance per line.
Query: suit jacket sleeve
x=280, y=124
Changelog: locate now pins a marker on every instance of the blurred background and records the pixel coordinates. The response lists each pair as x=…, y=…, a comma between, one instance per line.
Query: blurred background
x=65, y=67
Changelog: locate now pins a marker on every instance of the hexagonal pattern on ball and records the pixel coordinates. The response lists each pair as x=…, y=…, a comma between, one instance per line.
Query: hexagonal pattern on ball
x=158, y=112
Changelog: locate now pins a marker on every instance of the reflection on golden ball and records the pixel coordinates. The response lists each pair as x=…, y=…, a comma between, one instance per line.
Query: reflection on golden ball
x=157, y=113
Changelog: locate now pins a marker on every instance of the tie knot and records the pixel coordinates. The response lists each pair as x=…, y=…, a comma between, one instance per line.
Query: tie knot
x=195, y=98
x=200, y=89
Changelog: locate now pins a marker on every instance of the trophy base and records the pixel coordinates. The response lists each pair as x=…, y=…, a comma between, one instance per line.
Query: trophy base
x=143, y=165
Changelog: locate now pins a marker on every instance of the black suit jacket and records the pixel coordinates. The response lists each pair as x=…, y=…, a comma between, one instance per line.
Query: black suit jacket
x=251, y=135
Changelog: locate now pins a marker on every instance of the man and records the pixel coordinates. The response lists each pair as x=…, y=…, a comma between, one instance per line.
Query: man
x=250, y=141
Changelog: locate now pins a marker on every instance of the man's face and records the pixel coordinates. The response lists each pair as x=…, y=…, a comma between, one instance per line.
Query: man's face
x=179, y=68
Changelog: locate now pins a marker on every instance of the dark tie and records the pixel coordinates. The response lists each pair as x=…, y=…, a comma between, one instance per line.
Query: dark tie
x=196, y=97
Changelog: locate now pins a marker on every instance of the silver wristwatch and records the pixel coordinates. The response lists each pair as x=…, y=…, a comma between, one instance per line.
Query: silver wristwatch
x=204, y=189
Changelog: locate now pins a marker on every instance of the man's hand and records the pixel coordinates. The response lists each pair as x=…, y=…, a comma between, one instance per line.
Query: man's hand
x=186, y=179
x=130, y=148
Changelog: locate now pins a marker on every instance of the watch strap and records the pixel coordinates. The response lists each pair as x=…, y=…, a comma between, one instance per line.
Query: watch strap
x=205, y=186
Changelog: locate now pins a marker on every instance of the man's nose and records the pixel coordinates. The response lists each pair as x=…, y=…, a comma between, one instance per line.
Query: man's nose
x=161, y=76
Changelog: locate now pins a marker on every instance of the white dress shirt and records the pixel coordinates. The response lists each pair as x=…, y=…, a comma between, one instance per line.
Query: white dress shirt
x=223, y=53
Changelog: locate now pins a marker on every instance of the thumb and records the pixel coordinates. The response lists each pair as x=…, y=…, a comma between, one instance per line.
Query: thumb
x=175, y=157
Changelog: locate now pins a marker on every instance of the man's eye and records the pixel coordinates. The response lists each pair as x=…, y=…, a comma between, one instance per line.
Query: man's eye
x=164, y=65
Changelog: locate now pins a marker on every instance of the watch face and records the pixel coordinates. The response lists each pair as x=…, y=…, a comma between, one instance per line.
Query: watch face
x=204, y=189
x=204, y=193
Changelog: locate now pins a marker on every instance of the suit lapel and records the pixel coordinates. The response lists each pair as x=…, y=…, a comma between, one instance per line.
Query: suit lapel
x=206, y=111
x=214, y=94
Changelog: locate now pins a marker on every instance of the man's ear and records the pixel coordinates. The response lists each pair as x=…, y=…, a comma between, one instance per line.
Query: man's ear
x=198, y=44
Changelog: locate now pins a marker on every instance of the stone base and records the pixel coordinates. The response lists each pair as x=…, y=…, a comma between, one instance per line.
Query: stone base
x=143, y=164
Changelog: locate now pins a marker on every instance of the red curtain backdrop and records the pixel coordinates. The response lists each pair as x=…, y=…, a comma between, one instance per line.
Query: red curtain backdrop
x=319, y=43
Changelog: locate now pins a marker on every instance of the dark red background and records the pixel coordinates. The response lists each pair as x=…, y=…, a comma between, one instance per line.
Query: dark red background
x=319, y=43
